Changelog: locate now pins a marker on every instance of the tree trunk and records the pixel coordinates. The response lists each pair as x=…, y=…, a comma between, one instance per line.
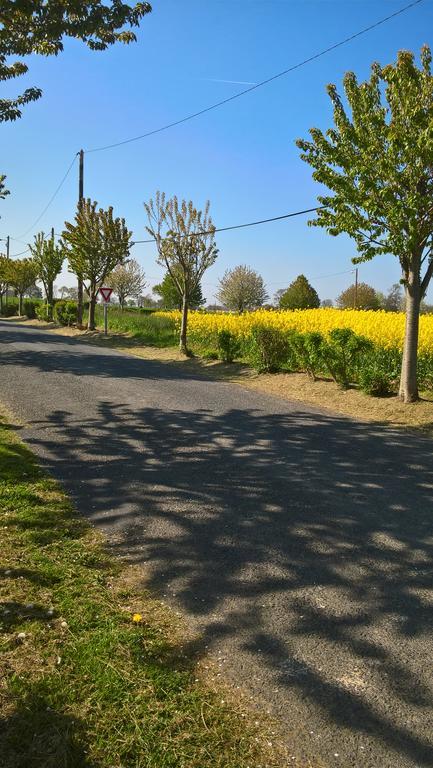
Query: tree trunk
x=183, y=348
x=408, y=380
x=20, y=304
x=80, y=303
x=92, y=305
x=50, y=301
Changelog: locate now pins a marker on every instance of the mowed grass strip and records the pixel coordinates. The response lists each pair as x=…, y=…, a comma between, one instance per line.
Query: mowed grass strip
x=81, y=684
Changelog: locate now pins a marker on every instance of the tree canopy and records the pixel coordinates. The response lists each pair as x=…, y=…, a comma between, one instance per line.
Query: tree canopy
x=185, y=239
x=300, y=295
x=241, y=289
x=377, y=162
x=39, y=26
x=21, y=275
x=172, y=299
x=96, y=243
x=48, y=258
x=362, y=296
x=127, y=280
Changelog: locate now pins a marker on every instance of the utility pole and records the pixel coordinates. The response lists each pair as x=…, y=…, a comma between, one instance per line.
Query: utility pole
x=80, y=279
x=7, y=256
x=355, y=298
x=52, y=234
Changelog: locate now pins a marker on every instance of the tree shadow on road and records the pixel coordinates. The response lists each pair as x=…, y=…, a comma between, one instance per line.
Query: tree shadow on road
x=300, y=543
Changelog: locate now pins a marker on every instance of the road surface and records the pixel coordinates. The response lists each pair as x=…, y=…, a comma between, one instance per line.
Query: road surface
x=299, y=542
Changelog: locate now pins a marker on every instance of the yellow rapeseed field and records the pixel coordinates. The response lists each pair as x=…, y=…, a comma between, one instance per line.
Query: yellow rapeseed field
x=384, y=328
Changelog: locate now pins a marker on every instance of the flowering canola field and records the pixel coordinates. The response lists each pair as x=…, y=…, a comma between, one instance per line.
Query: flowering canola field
x=386, y=329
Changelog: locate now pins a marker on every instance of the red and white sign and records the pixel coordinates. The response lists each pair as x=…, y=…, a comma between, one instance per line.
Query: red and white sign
x=106, y=293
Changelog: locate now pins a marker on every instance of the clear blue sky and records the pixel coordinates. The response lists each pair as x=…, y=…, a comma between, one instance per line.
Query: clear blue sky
x=241, y=156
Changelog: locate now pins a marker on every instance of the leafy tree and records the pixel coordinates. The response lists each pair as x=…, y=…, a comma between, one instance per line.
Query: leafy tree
x=172, y=299
x=4, y=276
x=21, y=275
x=96, y=244
x=33, y=292
x=127, y=280
x=377, y=161
x=241, y=289
x=326, y=303
x=49, y=259
x=185, y=239
x=39, y=26
x=362, y=297
x=68, y=292
x=300, y=295
x=393, y=301
x=277, y=296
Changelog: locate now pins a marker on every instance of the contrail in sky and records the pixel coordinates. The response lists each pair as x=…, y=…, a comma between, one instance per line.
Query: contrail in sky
x=232, y=82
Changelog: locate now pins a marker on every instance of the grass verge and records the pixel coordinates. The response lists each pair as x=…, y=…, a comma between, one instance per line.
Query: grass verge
x=83, y=685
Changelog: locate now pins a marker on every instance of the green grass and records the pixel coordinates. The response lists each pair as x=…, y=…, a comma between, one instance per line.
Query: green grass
x=83, y=686
x=156, y=331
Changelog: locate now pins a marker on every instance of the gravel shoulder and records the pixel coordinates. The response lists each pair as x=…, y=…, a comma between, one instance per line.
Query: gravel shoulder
x=298, y=542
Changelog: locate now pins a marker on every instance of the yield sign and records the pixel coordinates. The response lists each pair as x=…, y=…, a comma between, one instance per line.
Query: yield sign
x=106, y=293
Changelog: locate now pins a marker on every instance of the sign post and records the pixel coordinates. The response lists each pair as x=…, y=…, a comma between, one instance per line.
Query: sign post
x=106, y=293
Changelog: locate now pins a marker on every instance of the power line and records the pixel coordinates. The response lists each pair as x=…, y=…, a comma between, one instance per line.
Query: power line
x=300, y=64
x=50, y=200
x=235, y=226
x=13, y=255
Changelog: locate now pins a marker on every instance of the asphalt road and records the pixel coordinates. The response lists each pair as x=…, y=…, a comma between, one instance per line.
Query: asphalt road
x=299, y=542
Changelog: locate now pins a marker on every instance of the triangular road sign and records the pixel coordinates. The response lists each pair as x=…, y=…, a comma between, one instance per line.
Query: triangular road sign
x=106, y=293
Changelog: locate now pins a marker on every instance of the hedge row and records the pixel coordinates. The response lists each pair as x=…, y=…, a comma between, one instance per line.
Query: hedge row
x=349, y=359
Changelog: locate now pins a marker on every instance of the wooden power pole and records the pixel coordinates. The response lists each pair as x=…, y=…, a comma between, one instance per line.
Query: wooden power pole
x=80, y=279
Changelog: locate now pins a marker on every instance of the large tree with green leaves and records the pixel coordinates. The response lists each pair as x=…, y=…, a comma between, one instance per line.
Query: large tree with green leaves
x=172, y=299
x=361, y=296
x=39, y=26
x=21, y=275
x=300, y=295
x=377, y=161
x=242, y=289
x=49, y=259
x=96, y=243
x=4, y=277
x=185, y=239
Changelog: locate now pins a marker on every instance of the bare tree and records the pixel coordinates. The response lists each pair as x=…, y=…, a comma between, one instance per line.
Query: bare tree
x=127, y=280
x=185, y=239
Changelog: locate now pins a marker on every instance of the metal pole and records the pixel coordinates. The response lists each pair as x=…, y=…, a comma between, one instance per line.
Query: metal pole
x=106, y=318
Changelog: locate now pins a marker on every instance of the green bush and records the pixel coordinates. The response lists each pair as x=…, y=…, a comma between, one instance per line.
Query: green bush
x=30, y=306
x=44, y=312
x=307, y=352
x=65, y=312
x=268, y=349
x=10, y=309
x=425, y=372
x=380, y=371
x=342, y=354
x=229, y=347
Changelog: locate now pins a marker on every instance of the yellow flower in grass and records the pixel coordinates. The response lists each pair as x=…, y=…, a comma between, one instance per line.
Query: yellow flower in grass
x=137, y=618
